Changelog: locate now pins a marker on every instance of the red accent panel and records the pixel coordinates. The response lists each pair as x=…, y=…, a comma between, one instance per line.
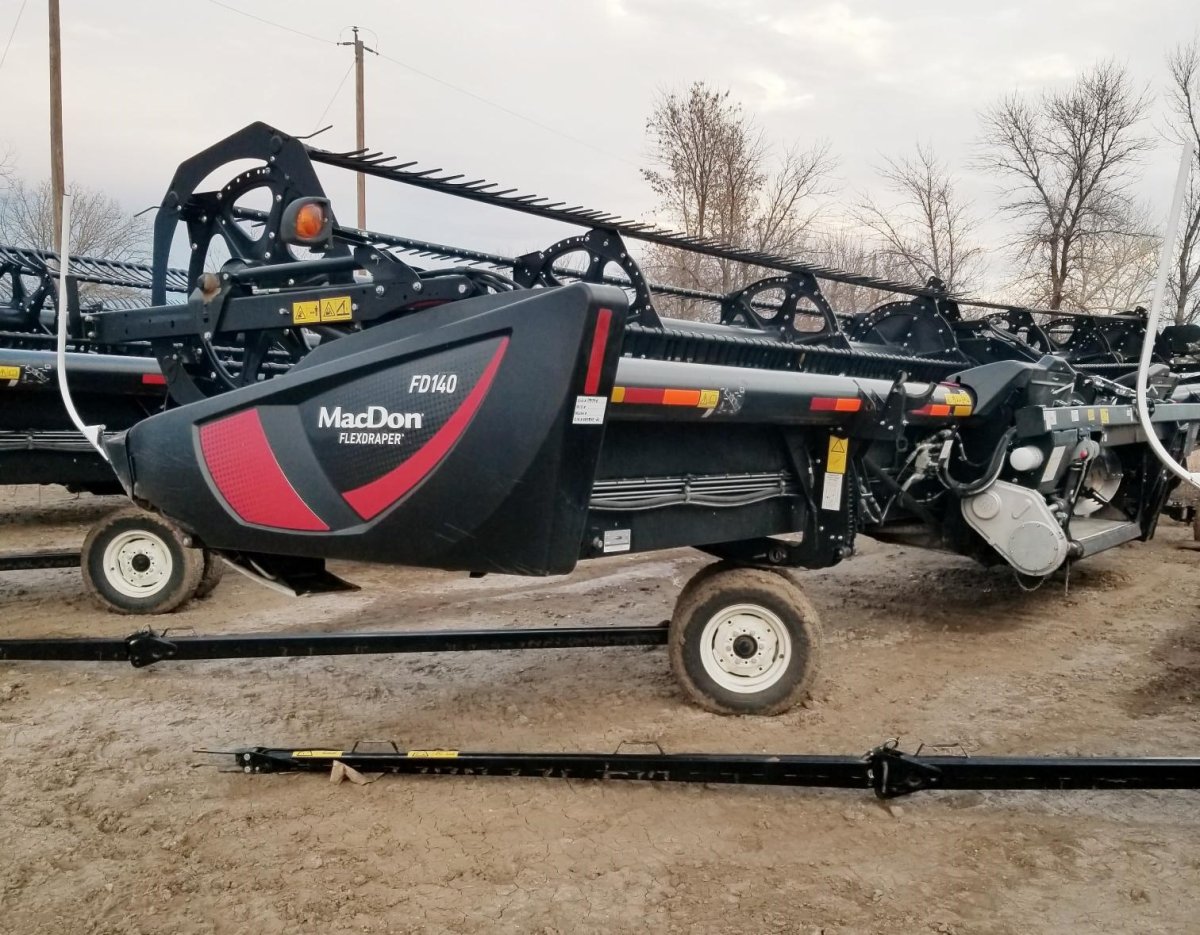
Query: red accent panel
x=644, y=396
x=154, y=379
x=596, y=361
x=244, y=468
x=371, y=499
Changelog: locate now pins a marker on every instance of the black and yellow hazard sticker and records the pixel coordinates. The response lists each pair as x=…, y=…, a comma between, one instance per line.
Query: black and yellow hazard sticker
x=321, y=311
x=836, y=462
x=960, y=403
x=316, y=754
x=431, y=754
x=835, y=470
x=9, y=374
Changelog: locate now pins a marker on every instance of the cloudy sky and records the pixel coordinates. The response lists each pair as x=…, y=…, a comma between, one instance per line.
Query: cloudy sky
x=147, y=83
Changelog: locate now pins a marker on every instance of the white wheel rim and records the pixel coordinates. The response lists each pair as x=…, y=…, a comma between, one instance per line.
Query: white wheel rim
x=137, y=564
x=745, y=648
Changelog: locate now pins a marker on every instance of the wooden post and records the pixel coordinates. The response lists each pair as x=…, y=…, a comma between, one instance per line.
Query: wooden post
x=56, y=134
x=360, y=130
x=360, y=120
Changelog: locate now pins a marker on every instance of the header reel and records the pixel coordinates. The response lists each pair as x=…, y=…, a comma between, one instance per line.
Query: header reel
x=295, y=246
x=282, y=260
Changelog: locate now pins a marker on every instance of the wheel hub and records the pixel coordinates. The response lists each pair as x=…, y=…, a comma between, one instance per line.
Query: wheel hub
x=745, y=647
x=137, y=563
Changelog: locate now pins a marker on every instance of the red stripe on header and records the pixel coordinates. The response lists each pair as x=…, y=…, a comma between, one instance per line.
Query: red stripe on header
x=372, y=499
x=248, y=476
x=596, y=361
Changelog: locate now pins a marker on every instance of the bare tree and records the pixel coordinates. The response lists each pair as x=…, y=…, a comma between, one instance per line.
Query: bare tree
x=714, y=175
x=1115, y=272
x=927, y=227
x=1066, y=157
x=99, y=227
x=1183, y=99
x=855, y=249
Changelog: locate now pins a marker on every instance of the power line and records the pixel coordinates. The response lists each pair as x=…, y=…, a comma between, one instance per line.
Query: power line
x=507, y=110
x=444, y=83
x=298, y=32
x=341, y=84
x=8, y=45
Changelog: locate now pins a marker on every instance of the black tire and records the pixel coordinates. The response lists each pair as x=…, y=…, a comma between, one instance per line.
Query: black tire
x=214, y=571
x=763, y=641
x=1196, y=524
x=135, y=562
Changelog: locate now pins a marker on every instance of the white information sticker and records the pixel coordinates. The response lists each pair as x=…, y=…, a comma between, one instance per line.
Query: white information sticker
x=1053, y=462
x=616, y=540
x=589, y=410
x=831, y=492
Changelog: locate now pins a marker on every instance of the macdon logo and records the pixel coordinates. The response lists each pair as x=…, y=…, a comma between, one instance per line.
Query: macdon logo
x=373, y=417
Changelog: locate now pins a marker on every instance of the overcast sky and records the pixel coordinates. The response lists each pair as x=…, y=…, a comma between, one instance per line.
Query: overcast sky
x=148, y=82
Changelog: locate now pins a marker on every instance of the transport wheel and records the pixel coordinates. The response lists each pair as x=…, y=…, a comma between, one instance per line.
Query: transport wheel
x=1196, y=524
x=137, y=563
x=214, y=571
x=744, y=641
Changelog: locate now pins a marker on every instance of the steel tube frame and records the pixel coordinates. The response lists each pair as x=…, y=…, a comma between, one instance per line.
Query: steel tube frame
x=886, y=770
x=147, y=647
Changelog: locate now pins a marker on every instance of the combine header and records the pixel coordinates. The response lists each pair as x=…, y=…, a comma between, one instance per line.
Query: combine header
x=114, y=386
x=335, y=398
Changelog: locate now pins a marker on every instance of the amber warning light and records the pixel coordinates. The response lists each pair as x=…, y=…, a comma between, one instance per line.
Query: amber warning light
x=307, y=222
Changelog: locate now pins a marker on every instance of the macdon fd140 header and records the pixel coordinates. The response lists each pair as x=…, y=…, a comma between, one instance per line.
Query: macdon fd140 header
x=332, y=399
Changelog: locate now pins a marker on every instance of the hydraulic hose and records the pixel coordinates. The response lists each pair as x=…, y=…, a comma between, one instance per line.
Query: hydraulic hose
x=1160, y=290
x=994, y=467
x=90, y=432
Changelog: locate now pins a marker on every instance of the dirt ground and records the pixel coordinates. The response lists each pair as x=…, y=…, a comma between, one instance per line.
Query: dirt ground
x=110, y=823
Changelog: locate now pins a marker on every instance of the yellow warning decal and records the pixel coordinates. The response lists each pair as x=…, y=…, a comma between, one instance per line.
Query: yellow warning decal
x=336, y=309
x=709, y=399
x=958, y=399
x=618, y=394
x=10, y=373
x=306, y=313
x=836, y=463
x=961, y=411
x=316, y=754
x=431, y=754
x=1104, y=416
x=1091, y=415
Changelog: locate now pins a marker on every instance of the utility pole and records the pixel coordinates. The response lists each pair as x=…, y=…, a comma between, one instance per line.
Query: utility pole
x=360, y=130
x=56, y=135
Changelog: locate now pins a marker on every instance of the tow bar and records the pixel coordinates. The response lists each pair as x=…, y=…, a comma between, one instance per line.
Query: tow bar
x=886, y=770
x=146, y=647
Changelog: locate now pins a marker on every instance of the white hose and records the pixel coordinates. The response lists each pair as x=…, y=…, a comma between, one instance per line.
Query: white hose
x=1160, y=291
x=90, y=432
